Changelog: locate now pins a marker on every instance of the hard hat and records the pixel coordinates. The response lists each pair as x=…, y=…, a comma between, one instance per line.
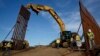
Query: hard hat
x=89, y=30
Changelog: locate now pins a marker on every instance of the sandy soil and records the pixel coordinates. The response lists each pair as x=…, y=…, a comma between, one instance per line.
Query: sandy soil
x=47, y=51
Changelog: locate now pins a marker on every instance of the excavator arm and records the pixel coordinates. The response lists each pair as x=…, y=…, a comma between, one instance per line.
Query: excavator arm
x=36, y=8
x=64, y=35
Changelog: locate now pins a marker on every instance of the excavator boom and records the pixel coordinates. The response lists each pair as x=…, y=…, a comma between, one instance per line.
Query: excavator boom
x=36, y=8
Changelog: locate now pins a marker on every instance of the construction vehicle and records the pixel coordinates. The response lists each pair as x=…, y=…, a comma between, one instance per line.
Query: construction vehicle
x=22, y=21
x=24, y=15
x=64, y=35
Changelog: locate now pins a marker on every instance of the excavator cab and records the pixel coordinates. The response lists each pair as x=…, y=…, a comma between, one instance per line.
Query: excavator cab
x=65, y=38
x=65, y=35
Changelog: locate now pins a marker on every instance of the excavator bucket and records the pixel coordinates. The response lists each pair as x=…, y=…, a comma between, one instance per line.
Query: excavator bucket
x=35, y=9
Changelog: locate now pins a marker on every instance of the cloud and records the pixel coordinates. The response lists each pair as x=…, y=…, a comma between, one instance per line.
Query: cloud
x=71, y=20
x=48, y=17
x=51, y=20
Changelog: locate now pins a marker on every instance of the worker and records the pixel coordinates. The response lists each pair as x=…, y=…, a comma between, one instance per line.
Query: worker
x=24, y=44
x=9, y=48
x=72, y=42
x=58, y=42
x=78, y=42
x=91, y=39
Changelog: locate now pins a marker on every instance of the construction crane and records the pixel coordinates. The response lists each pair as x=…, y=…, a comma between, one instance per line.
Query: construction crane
x=64, y=35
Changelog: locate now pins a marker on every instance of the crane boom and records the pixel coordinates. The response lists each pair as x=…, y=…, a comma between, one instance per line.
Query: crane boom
x=36, y=8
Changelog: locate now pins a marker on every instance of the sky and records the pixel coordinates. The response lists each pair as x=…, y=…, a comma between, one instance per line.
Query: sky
x=43, y=29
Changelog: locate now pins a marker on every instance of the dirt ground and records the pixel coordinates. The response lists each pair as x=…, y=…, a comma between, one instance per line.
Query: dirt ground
x=46, y=51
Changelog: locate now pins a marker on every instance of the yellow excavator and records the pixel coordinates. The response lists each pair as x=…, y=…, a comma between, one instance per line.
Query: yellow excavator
x=64, y=35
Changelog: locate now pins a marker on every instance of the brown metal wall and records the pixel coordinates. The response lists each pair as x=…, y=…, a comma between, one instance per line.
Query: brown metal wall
x=89, y=22
x=20, y=27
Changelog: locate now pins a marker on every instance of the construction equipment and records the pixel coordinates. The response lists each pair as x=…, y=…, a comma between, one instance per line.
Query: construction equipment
x=64, y=35
x=22, y=22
